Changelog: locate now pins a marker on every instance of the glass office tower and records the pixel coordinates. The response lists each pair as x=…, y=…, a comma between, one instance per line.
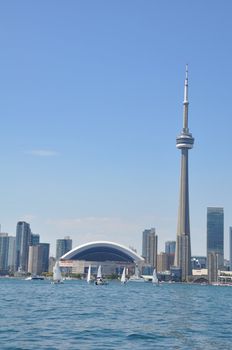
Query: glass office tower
x=215, y=233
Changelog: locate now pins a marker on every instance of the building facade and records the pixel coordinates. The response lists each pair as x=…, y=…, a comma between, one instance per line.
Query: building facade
x=35, y=239
x=23, y=237
x=150, y=246
x=63, y=246
x=112, y=257
x=170, y=248
x=213, y=261
x=162, y=262
x=184, y=142
x=230, y=240
x=11, y=254
x=215, y=234
x=4, y=249
x=38, y=261
x=199, y=262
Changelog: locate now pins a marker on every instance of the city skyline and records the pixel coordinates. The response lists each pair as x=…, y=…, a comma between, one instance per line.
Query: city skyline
x=85, y=146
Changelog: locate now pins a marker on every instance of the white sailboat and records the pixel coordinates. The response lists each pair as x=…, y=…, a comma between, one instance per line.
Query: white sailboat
x=136, y=277
x=123, y=277
x=154, y=277
x=57, y=277
x=89, y=275
x=100, y=280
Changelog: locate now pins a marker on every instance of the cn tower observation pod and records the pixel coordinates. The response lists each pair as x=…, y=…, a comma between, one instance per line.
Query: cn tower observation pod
x=103, y=251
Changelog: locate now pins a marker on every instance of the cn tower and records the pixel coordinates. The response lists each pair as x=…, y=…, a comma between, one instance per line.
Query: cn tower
x=184, y=142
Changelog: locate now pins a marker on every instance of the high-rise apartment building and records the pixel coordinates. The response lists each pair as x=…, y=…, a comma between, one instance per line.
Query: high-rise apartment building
x=35, y=239
x=230, y=240
x=38, y=260
x=149, y=246
x=4, y=249
x=184, y=142
x=213, y=260
x=162, y=262
x=11, y=254
x=23, y=238
x=170, y=248
x=63, y=246
x=7, y=253
x=215, y=234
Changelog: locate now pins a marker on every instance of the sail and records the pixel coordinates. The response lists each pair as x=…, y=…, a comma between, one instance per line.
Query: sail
x=99, y=272
x=137, y=271
x=123, y=277
x=154, y=277
x=89, y=274
x=56, y=272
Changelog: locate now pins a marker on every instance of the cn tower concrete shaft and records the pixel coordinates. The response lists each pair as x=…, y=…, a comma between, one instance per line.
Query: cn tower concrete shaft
x=184, y=142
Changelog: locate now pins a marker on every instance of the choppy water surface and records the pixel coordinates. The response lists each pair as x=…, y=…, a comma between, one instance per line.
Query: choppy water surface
x=75, y=315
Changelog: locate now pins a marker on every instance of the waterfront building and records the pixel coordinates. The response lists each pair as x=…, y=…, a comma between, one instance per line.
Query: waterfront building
x=11, y=254
x=215, y=233
x=213, y=262
x=4, y=248
x=63, y=246
x=112, y=257
x=184, y=142
x=23, y=236
x=162, y=262
x=230, y=239
x=199, y=262
x=38, y=258
x=170, y=248
x=35, y=239
x=150, y=246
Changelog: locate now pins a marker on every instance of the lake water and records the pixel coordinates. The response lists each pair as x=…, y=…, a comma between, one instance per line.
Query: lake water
x=75, y=315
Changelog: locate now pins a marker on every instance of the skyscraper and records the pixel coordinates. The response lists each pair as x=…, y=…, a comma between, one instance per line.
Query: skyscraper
x=184, y=142
x=7, y=253
x=170, y=248
x=215, y=234
x=11, y=254
x=35, y=238
x=230, y=248
x=4, y=248
x=23, y=237
x=149, y=247
x=38, y=258
x=63, y=246
x=213, y=266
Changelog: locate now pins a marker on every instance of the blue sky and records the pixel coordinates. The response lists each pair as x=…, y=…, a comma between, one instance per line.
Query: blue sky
x=91, y=103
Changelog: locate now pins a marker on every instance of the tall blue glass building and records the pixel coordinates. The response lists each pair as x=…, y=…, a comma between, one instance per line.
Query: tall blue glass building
x=23, y=238
x=215, y=233
x=63, y=246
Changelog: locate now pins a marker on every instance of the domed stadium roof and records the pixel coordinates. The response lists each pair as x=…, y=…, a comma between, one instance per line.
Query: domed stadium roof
x=103, y=251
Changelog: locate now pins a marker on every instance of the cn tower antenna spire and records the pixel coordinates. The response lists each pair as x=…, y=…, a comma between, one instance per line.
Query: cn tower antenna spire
x=186, y=102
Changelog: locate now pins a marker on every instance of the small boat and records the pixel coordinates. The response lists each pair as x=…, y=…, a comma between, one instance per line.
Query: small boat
x=34, y=278
x=155, y=278
x=57, y=277
x=89, y=280
x=123, y=277
x=99, y=280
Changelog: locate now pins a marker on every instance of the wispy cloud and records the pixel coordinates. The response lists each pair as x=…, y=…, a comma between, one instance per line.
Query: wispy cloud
x=27, y=217
x=92, y=228
x=42, y=153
